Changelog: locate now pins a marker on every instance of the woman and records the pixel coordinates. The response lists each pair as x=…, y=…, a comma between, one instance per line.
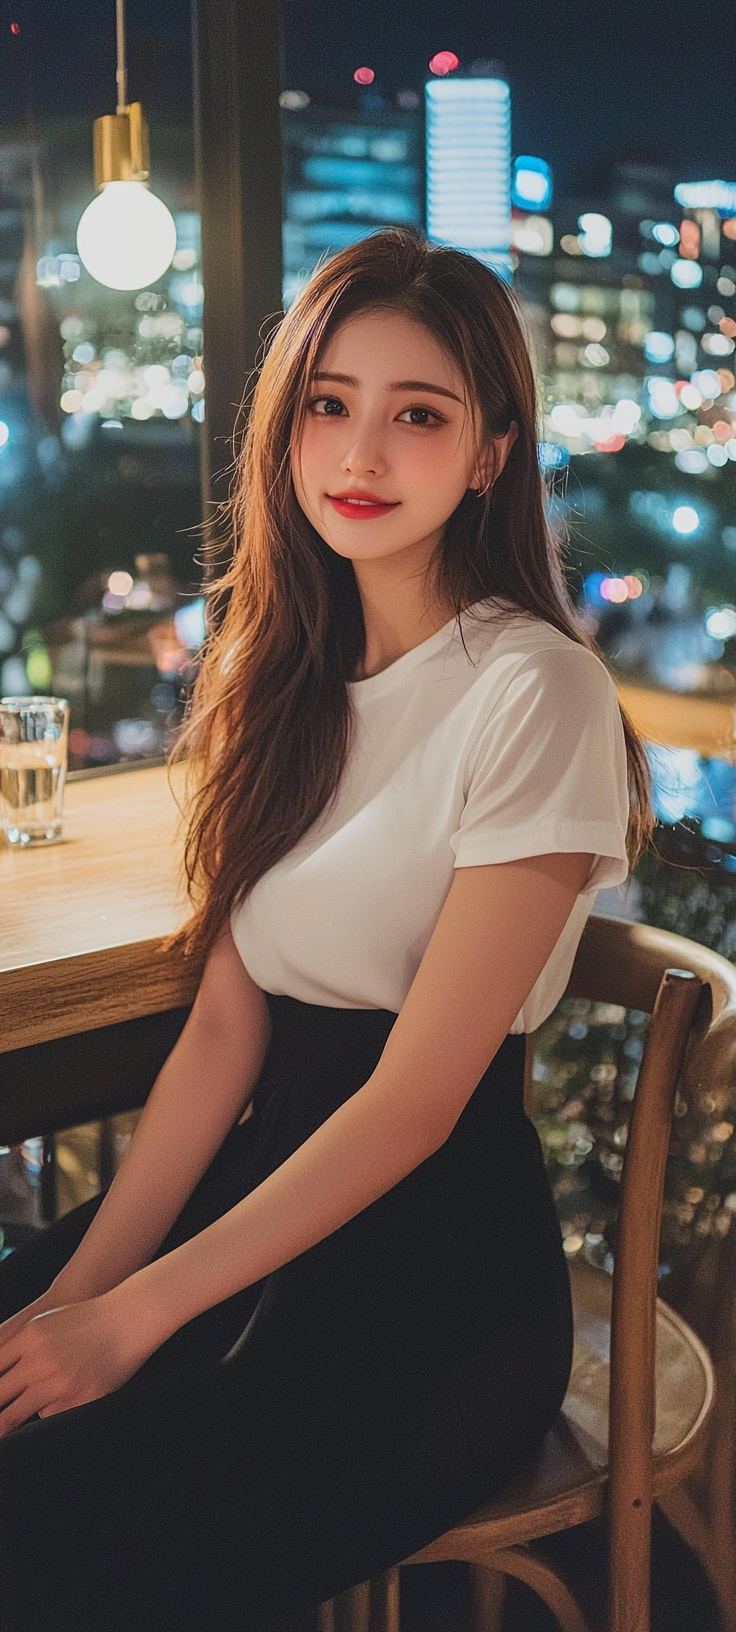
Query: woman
x=323, y=1313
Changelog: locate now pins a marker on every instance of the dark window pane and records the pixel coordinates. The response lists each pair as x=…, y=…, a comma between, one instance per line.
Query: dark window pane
x=101, y=388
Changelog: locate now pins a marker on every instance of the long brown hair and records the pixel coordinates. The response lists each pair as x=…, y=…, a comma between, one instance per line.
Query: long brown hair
x=269, y=727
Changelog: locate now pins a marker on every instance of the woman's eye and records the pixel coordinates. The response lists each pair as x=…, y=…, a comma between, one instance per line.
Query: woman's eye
x=333, y=408
x=324, y=406
x=421, y=416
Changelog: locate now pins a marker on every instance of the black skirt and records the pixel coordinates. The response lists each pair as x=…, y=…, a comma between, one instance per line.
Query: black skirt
x=324, y=1424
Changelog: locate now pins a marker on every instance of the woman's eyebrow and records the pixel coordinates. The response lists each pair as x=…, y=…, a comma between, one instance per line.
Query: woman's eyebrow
x=398, y=385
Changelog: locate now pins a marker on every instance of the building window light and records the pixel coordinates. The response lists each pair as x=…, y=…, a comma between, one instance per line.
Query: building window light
x=468, y=167
x=532, y=235
x=596, y=234
x=531, y=187
x=665, y=234
x=686, y=275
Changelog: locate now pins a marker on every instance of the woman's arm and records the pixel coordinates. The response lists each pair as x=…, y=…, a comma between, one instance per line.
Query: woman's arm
x=494, y=935
x=200, y=1091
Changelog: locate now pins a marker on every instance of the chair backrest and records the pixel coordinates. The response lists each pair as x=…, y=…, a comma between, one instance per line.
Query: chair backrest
x=690, y=993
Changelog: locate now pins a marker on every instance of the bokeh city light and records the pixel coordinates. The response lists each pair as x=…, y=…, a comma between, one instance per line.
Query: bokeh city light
x=443, y=62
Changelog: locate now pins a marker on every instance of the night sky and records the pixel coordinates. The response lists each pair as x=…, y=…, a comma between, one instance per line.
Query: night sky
x=587, y=76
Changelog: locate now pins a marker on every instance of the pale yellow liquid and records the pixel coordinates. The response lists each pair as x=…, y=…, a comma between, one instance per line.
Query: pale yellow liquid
x=30, y=776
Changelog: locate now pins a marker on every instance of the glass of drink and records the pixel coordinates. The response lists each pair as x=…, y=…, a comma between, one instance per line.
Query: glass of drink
x=33, y=748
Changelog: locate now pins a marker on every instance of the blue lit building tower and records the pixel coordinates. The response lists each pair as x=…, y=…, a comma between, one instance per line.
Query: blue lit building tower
x=469, y=167
x=346, y=174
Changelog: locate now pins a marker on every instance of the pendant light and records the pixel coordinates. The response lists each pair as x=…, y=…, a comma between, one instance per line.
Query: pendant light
x=126, y=237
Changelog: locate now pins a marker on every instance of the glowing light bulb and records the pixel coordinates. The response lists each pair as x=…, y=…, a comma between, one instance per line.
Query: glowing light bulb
x=126, y=237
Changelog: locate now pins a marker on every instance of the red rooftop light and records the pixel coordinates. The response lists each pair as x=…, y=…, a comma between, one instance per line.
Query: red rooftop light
x=364, y=76
x=611, y=444
x=443, y=62
x=15, y=28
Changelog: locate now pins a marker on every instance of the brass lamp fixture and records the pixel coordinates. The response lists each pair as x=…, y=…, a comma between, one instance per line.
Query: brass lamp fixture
x=126, y=237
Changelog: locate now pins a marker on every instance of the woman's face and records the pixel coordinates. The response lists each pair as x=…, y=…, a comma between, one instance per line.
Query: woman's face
x=387, y=451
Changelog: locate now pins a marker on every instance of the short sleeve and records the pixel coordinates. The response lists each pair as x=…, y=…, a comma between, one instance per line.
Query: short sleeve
x=547, y=771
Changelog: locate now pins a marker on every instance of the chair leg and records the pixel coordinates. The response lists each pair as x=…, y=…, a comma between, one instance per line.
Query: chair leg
x=385, y=1602
x=718, y=1561
x=489, y=1593
x=326, y=1616
x=372, y=1606
x=49, y=1170
x=348, y=1611
x=543, y=1580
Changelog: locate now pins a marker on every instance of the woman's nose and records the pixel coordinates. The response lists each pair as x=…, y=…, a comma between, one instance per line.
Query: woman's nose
x=365, y=454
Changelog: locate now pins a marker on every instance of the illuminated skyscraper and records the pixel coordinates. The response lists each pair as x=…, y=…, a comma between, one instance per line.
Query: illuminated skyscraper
x=345, y=175
x=469, y=167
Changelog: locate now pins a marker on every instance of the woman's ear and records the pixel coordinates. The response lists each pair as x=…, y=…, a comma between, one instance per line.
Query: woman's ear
x=494, y=459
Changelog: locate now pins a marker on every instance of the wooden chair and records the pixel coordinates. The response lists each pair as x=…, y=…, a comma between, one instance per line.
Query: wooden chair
x=614, y=1448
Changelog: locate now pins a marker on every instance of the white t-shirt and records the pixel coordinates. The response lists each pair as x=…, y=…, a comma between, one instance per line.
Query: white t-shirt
x=454, y=762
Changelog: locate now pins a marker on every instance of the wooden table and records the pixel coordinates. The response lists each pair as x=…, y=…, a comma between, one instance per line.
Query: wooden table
x=87, y=997
x=83, y=920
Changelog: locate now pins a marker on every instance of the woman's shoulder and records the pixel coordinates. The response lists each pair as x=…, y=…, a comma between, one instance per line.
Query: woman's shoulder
x=529, y=677
x=498, y=632
x=545, y=703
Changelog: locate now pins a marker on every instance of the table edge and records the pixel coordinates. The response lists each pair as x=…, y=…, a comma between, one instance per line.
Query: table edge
x=58, y=998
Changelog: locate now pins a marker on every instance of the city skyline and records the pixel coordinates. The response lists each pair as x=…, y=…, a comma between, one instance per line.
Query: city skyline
x=583, y=83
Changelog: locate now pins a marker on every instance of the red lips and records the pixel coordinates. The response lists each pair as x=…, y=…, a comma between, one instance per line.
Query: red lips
x=361, y=505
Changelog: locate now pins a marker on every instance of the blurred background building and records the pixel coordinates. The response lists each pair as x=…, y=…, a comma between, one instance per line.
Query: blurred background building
x=344, y=176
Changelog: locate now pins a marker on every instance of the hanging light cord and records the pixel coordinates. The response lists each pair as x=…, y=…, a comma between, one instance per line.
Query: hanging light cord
x=122, y=73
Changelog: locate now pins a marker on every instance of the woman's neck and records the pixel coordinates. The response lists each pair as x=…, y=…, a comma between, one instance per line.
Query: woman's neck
x=398, y=614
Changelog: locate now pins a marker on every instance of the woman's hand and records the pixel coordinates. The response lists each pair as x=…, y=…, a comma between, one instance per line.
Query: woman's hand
x=15, y=1323
x=61, y=1357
